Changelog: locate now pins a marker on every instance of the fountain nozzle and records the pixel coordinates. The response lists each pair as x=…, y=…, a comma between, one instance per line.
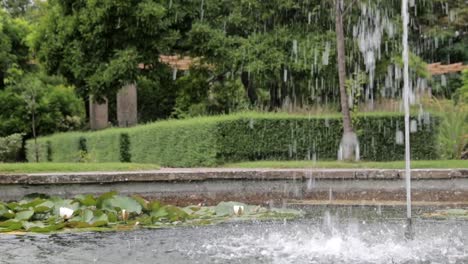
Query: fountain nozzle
x=409, y=233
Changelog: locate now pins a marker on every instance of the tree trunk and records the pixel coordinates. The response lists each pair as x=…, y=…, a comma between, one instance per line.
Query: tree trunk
x=274, y=96
x=2, y=81
x=33, y=112
x=340, y=45
x=349, y=146
x=248, y=85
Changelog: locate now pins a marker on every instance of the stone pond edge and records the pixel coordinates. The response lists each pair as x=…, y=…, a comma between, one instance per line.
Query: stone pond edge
x=209, y=174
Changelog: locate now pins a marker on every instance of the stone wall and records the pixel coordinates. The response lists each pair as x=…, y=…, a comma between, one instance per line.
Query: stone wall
x=98, y=114
x=127, y=106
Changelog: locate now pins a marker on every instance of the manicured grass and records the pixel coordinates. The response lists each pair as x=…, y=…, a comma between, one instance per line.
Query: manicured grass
x=417, y=164
x=72, y=167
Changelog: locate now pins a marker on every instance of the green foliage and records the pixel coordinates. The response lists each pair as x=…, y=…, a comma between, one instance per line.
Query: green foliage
x=97, y=45
x=156, y=95
x=16, y=7
x=14, y=52
x=82, y=144
x=110, y=211
x=327, y=164
x=458, y=214
x=56, y=107
x=213, y=140
x=444, y=22
x=125, y=155
x=199, y=94
x=461, y=95
x=49, y=151
x=175, y=143
x=302, y=138
x=453, y=130
x=104, y=147
x=10, y=147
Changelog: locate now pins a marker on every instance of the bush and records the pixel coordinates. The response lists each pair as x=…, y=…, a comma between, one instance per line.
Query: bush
x=57, y=108
x=208, y=141
x=125, y=155
x=453, y=129
x=10, y=147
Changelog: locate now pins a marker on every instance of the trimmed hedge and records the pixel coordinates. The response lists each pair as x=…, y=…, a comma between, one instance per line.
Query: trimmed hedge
x=208, y=141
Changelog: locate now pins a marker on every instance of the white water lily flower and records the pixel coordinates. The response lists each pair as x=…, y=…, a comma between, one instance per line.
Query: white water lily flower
x=65, y=212
x=238, y=209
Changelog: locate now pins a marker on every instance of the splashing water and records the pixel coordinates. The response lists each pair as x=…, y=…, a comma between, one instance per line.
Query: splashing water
x=352, y=242
x=326, y=54
x=349, y=147
x=174, y=74
x=369, y=31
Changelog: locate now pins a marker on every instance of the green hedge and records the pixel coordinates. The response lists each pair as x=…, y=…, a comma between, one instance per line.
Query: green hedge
x=209, y=141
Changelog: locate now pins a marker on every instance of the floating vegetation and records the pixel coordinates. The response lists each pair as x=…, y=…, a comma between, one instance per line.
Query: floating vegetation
x=448, y=214
x=110, y=211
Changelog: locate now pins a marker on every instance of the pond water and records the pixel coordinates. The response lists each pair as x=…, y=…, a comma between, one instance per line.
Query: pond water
x=326, y=239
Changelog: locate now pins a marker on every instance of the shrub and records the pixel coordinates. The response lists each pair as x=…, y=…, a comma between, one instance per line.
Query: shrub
x=10, y=147
x=453, y=129
x=49, y=150
x=125, y=155
x=57, y=108
x=208, y=141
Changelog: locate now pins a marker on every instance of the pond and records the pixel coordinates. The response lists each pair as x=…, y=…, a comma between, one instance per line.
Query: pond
x=338, y=235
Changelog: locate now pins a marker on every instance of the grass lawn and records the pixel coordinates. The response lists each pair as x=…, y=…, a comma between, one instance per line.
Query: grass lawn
x=416, y=164
x=72, y=167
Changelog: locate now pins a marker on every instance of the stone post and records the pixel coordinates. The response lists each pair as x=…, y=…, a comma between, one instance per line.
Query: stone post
x=127, y=106
x=98, y=114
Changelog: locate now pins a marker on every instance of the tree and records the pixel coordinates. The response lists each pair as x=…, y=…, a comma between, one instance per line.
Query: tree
x=16, y=8
x=36, y=104
x=14, y=51
x=98, y=45
x=349, y=141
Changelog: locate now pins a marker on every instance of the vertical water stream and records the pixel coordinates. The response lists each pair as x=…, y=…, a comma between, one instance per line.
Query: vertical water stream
x=406, y=102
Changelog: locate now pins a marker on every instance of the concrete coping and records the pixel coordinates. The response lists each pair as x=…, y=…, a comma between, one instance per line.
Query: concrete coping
x=213, y=174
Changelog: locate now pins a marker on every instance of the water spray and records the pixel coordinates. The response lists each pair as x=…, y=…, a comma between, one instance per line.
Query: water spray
x=406, y=101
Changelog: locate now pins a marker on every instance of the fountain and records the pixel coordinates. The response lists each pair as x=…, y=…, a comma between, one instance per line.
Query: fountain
x=330, y=232
x=406, y=102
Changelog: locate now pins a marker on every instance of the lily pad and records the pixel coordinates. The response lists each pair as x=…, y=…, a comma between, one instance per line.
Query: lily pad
x=44, y=207
x=123, y=203
x=10, y=225
x=88, y=218
x=448, y=214
x=24, y=215
x=86, y=200
x=114, y=212
x=5, y=212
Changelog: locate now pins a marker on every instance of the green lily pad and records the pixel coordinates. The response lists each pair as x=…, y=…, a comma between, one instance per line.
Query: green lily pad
x=24, y=215
x=123, y=203
x=44, y=207
x=5, y=212
x=154, y=206
x=106, y=213
x=10, y=225
x=175, y=213
x=159, y=213
x=447, y=214
x=103, y=197
x=144, y=203
x=86, y=200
